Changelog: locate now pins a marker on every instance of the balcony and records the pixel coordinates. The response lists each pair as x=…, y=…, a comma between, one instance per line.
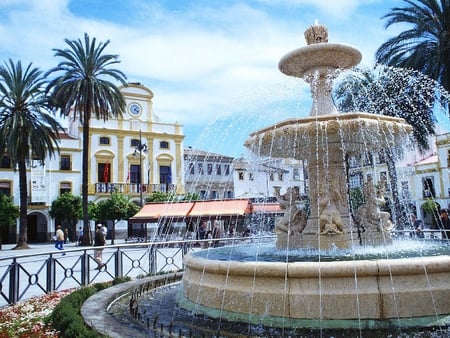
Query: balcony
x=133, y=188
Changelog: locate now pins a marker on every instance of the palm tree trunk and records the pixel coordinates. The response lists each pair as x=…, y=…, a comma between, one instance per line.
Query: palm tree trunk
x=86, y=239
x=23, y=225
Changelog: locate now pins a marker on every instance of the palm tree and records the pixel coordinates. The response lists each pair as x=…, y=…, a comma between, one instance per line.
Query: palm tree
x=393, y=92
x=27, y=130
x=426, y=45
x=82, y=89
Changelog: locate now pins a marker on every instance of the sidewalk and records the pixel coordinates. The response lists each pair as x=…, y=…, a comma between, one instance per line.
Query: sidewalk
x=7, y=249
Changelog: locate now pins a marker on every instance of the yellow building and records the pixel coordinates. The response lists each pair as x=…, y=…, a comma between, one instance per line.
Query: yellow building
x=135, y=155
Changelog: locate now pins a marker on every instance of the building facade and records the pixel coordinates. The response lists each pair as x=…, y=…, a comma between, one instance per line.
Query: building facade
x=135, y=155
x=208, y=174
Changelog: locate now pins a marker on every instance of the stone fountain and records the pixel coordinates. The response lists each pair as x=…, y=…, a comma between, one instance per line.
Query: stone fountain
x=376, y=293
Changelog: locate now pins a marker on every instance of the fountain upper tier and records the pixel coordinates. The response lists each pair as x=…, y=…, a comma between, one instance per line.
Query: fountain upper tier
x=353, y=133
x=327, y=56
x=318, y=64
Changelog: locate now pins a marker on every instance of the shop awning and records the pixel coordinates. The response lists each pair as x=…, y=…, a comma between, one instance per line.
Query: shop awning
x=221, y=208
x=267, y=208
x=152, y=212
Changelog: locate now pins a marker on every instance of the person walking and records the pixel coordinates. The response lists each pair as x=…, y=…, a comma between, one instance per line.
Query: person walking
x=417, y=224
x=59, y=238
x=444, y=224
x=80, y=235
x=99, y=242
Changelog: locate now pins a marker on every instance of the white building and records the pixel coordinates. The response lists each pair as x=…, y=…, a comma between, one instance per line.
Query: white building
x=257, y=178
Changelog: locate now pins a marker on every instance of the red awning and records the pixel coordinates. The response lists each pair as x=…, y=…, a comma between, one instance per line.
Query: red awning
x=221, y=208
x=153, y=211
x=267, y=208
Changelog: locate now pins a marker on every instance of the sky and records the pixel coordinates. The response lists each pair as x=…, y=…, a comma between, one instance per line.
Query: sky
x=212, y=65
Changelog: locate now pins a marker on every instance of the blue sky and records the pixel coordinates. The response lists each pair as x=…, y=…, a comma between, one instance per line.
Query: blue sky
x=212, y=65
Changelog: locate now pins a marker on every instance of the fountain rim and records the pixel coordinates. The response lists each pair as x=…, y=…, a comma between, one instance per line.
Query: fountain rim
x=337, y=117
x=376, y=267
x=304, y=63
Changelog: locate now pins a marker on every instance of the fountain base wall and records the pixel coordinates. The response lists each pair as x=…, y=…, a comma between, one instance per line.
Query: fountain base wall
x=346, y=290
x=329, y=241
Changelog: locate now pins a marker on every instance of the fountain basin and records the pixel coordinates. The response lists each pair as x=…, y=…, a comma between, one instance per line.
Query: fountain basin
x=367, y=293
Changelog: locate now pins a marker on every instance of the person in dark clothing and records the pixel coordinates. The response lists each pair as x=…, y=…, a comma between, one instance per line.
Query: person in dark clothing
x=417, y=225
x=99, y=241
x=444, y=224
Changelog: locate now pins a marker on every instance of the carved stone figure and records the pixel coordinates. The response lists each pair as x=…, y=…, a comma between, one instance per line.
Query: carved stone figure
x=294, y=219
x=370, y=214
x=330, y=220
x=316, y=34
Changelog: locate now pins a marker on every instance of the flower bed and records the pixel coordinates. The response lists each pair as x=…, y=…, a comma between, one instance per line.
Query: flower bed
x=30, y=318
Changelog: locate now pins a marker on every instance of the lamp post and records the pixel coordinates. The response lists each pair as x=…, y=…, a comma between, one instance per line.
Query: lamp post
x=141, y=147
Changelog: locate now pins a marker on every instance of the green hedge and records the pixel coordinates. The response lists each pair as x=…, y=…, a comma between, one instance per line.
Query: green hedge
x=66, y=317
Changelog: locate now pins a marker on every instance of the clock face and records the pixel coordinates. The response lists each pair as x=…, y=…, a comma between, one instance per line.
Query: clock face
x=135, y=109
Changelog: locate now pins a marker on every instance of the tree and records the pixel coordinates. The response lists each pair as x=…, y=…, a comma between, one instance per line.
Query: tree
x=426, y=45
x=392, y=92
x=82, y=89
x=27, y=129
x=67, y=208
x=8, y=214
x=116, y=208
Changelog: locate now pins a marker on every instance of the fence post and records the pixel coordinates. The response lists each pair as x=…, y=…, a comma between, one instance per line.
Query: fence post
x=50, y=274
x=152, y=260
x=118, y=263
x=85, y=268
x=14, y=282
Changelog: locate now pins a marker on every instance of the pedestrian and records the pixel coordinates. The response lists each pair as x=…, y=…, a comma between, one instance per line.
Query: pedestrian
x=59, y=238
x=80, y=235
x=444, y=224
x=201, y=233
x=216, y=232
x=417, y=225
x=99, y=242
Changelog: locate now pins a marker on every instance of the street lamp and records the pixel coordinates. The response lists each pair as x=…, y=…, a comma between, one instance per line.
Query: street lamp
x=141, y=147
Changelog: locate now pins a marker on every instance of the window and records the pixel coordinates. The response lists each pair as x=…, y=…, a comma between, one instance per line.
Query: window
x=209, y=168
x=448, y=158
x=227, y=169
x=5, y=188
x=104, y=140
x=280, y=177
x=65, y=163
x=213, y=195
x=165, y=174
x=218, y=169
x=191, y=168
x=271, y=178
x=428, y=187
x=241, y=175
x=103, y=172
x=200, y=169
x=135, y=173
x=228, y=194
x=65, y=187
x=164, y=145
x=355, y=180
x=296, y=174
x=6, y=162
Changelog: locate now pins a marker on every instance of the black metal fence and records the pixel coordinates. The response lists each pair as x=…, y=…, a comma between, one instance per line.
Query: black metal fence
x=28, y=275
